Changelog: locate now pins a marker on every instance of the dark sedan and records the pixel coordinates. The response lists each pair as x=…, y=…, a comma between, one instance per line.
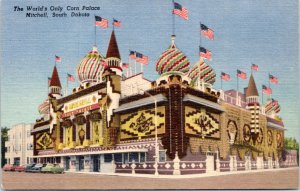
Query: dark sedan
x=37, y=168
x=29, y=167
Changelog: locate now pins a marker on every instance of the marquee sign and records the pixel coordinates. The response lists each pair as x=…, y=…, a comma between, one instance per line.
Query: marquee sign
x=85, y=103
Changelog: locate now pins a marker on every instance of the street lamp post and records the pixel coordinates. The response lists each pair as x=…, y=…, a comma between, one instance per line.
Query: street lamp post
x=156, y=138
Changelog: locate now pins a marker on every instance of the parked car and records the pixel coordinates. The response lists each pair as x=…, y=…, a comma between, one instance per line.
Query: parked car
x=37, y=168
x=20, y=168
x=52, y=168
x=9, y=167
x=29, y=167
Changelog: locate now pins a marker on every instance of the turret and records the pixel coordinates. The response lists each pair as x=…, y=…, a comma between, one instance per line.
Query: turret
x=113, y=59
x=253, y=105
x=55, y=86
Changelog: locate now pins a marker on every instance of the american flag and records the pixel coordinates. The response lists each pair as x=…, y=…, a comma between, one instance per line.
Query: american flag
x=204, y=53
x=225, y=77
x=205, y=31
x=254, y=67
x=71, y=78
x=274, y=102
x=180, y=11
x=273, y=79
x=116, y=23
x=139, y=57
x=49, y=81
x=101, y=22
x=241, y=74
x=125, y=65
x=266, y=90
x=57, y=59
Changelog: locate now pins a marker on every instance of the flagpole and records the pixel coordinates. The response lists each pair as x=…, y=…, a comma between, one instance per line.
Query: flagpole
x=221, y=82
x=262, y=96
x=237, y=89
x=66, y=90
x=113, y=24
x=95, y=33
x=269, y=85
x=134, y=67
x=173, y=19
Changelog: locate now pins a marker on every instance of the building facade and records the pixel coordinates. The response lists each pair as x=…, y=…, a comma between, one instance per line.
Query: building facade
x=177, y=124
x=19, y=147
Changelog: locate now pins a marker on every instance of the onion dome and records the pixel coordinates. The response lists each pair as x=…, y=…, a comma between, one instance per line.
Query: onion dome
x=91, y=66
x=207, y=74
x=272, y=106
x=172, y=60
x=44, y=107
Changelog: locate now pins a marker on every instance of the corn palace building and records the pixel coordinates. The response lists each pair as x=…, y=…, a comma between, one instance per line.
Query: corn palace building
x=177, y=124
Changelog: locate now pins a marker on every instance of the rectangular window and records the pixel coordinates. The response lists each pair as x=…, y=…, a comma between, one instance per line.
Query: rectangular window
x=118, y=158
x=162, y=156
x=142, y=157
x=125, y=158
x=107, y=157
x=134, y=157
x=28, y=134
x=27, y=160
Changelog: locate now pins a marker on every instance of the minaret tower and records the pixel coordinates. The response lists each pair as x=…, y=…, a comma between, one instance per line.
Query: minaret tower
x=55, y=86
x=113, y=58
x=252, y=98
x=112, y=76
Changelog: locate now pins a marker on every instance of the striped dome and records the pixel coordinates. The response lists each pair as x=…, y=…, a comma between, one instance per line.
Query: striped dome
x=272, y=106
x=172, y=60
x=206, y=73
x=90, y=66
x=44, y=107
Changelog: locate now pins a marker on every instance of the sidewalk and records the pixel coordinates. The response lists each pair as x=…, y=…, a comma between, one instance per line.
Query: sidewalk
x=211, y=174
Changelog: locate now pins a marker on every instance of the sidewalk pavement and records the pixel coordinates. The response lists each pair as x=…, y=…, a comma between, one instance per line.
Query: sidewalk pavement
x=210, y=174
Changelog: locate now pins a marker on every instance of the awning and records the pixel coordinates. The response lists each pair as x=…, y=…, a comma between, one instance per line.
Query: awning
x=90, y=153
x=202, y=101
x=140, y=103
x=41, y=128
x=274, y=125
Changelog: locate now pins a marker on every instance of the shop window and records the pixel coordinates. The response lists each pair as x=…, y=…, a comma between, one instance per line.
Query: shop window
x=142, y=157
x=118, y=158
x=133, y=157
x=125, y=161
x=107, y=157
x=162, y=156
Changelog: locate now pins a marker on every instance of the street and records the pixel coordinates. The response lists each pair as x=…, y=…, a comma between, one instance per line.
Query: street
x=276, y=179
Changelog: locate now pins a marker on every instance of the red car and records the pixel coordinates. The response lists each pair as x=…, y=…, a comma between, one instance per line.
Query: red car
x=9, y=167
x=20, y=168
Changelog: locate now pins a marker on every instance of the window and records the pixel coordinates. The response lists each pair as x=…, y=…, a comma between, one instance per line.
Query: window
x=28, y=134
x=118, y=158
x=125, y=161
x=134, y=157
x=107, y=157
x=142, y=157
x=162, y=156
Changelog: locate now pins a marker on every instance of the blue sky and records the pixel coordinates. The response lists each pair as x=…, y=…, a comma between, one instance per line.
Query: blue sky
x=258, y=31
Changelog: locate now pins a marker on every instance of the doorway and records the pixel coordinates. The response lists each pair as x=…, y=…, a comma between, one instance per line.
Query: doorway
x=81, y=163
x=96, y=163
x=67, y=163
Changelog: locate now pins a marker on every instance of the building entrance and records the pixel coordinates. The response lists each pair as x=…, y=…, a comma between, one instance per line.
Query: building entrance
x=81, y=163
x=96, y=163
x=67, y=163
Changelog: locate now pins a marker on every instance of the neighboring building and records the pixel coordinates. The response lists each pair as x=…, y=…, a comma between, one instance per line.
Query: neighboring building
x=19, y=147
x=110, y=124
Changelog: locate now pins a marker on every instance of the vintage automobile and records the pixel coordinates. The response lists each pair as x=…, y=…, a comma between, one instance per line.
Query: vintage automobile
x=52, y=168
x=9, y=167
x=29, y=167
x=37, y=168
x=20, y=168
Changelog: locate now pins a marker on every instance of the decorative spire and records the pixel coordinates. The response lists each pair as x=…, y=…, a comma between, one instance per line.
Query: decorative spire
x=113, y=50
x=251, y=89
x=55, y=79
x=173, y=41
